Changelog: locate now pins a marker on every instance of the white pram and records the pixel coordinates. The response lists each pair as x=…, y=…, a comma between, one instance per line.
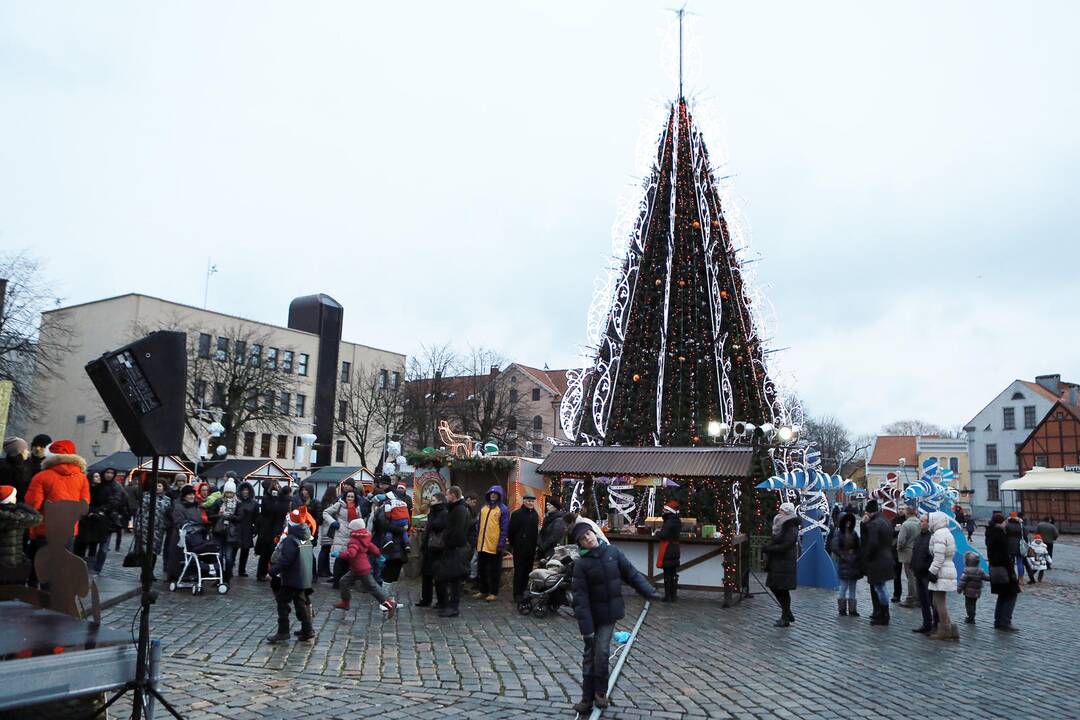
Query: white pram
x=202, y=560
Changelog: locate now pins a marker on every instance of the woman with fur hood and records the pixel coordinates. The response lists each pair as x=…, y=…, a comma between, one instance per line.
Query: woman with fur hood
x=783, y=553
x=62, y=477
x=942, y=574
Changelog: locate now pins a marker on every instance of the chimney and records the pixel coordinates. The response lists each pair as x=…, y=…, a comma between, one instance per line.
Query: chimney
x=1050, y=382
x=494, y=370
x=1073, y=395
x=438, y=374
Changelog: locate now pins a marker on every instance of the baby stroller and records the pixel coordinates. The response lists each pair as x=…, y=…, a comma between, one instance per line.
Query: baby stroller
x=202, y=560
x=549, y=586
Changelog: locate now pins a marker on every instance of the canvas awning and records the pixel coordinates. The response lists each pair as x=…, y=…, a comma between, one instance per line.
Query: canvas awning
x=1045, y=479
x=671, y=462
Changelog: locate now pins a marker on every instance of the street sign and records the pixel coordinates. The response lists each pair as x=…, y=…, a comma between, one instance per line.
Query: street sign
x=1072, y=468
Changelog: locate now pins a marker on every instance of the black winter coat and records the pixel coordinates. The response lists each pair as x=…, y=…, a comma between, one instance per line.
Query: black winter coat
x=247, y=512
x=107, y=498
x=522, y=532
x=670, y=530
x=877, y=546
x=271, y=521
x=14, y=521
x=294, y=558
x=783, y=552
x=16, y=472
x=552, y=533
x=998, y=555
x=180, y=515
x=431, y=546
x=453, y=564
x=1014, y=532
x=921, y=557
x=845, y=546
x=597, y=587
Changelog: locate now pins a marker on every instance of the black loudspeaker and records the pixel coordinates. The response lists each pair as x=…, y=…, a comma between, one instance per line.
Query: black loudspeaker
x=144, y=385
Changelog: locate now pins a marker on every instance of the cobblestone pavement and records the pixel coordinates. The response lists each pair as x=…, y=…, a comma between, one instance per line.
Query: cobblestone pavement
x=692, y=660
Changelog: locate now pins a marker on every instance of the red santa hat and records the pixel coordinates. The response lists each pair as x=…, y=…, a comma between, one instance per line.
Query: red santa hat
x=8, y=495
x=671, y=506
x=62, y=447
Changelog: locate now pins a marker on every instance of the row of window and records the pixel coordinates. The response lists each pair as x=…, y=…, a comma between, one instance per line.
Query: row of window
x=537, y=423
x=285, y=403
x=1009, y=418
x=386, y=378
x=266, y=443
x=254, y=355
x=514, y=394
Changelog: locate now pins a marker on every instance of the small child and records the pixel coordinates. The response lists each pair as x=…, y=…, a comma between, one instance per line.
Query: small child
x=1039, y=559
x=397, y=513
x=358, y=555
x=970, y=584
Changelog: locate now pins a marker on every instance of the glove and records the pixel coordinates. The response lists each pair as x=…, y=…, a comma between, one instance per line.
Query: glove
x=933, y=577
x=334, y=526
x=334, y=553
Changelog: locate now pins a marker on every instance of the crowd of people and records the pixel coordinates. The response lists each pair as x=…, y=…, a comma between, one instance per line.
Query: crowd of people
x=918, y=548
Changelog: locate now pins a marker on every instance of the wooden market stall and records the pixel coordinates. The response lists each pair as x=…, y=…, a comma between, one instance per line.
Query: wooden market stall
x=253, y=471
x=1049, y=492
x=713, y=558
x=125, y=462
x=326, y=477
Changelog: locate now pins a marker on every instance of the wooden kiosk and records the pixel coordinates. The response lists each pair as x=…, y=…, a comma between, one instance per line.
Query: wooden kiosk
x=716, y=563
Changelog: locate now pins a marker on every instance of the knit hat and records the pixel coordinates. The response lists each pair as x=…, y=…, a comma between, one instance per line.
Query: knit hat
x=578, y=531
x=555, y=502
x=41, y=440
x=1038, y=536
x=229, y=486
x=187, y=490
x=62, y=447
x=872, y=506
x=1014, y=515
x=528, y=495
x=401, y=487
x=7, y=495
x=671, y=506
x=296, y=517
x=13, y=446
x=357, y=524
x=787, y=508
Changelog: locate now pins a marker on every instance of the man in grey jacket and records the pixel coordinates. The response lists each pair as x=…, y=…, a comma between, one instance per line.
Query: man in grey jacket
x=905, y=541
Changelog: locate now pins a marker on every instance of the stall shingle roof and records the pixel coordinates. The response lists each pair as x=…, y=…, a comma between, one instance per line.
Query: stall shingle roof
x=663, y=461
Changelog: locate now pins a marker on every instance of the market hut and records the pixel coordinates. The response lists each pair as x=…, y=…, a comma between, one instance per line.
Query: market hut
x=715, y=552
x=127, y=462
x=252, y=471
x=326, y=477
x=1050, y=492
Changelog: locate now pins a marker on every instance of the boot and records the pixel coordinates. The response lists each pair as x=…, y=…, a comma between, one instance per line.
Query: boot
x=842, y=605
x=875, y=616
x=884, y=618
x=601, y=700
x=304, y=614
x=853, y=608
x=341, y=605
x=584, y=707
x=954, y=632
x=389, y=607
x=281, y=635
x=782, y=622
x=941, y=632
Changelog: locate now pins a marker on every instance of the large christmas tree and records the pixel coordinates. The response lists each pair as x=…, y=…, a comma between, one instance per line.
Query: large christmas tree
x=679, y=346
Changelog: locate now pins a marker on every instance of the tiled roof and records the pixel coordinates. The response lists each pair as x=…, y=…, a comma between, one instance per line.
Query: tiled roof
x=555, y=380
x=1041, y=390
x=714, y=462
x=888, y=449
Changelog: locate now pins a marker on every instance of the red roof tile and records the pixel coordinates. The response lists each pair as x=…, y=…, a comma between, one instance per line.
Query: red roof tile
x=890, y=448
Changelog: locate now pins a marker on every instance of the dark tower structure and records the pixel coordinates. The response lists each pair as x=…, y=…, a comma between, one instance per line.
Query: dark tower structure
x=322, y=315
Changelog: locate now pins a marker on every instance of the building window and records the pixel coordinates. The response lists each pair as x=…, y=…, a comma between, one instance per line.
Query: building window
x=80, y=419
x=536, y=394
x=271, y=358
x=339, y=451
x=1009, y=419
x=1040, y=461
x=240, y=352
x=301, y=403
x=513, y=379
x=204, y=346
x=384, y=377
x=954, y=465
x=199, y=394
x=219, y=395
x=104, y=426
x=301, y=365
x=511, y=422
x=513, y=395
x=285, y=403
x=993, y=494
x=268, y=400
x=222, y=349
x=286, y=361
x=346, y=369
x=251, y=402
x=395, y=380
x=282, y=446
x=264, y=445
x=1059, y=416
x=537, y=449
x=538, y=423
x=1018, y=396
x=342, y=410
x=249, y=444
x=256, y=354
x=1029, y=417
x=991, y=454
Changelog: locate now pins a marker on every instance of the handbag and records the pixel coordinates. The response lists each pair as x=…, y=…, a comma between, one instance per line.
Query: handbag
x=134, y=557
x=999, y=575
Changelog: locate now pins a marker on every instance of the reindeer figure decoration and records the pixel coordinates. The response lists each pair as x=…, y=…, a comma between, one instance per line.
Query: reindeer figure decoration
x=458, y=444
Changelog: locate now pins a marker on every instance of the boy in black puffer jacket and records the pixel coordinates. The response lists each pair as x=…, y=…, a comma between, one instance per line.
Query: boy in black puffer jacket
x=598, y=604
x=291, y=570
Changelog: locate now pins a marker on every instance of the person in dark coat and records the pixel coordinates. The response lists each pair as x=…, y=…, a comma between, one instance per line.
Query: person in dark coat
x=431, y=548
x=599, y=574
x=38, y=447
x=783, y=553
x=521, y=535
x=669, y=554
x=1003, y=578
x=15, y=467
x=292, y=569
x=1014, y=534
x=276, y=504
x=1049, y=533
x=96, y=527
x=185, y=511
x=452, y=567
x=876, y=532
x=845, y=546
x=554, y=529
x=15, y=519
x=898, y=568
x=921, y=559
x=247, y=512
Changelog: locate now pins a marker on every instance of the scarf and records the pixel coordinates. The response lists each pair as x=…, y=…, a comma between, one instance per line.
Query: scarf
x=351, y=511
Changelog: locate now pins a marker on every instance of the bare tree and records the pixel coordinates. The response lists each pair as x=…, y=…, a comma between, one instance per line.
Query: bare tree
x=832, y=439
x=918, y=427
x=369, y=408
x=484, y=404
x=31, y=346
x=426, y=393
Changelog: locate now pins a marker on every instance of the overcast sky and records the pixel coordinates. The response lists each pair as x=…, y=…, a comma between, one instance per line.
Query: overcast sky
x=451, y=171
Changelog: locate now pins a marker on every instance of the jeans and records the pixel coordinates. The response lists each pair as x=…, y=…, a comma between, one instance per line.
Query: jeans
x=847, y=589
x=594, y=662
x=489, y=571
x=98, y=551
x=1020, y=565
x=366, y=582
x=1003, y=610
x=881, y=590
x=929, y=612
x=228, y=554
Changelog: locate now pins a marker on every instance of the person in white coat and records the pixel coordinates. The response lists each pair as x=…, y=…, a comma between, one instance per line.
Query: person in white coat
x=942, y=574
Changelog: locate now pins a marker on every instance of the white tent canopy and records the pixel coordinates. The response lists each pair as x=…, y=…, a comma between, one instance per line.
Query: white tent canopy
x=1039, y=478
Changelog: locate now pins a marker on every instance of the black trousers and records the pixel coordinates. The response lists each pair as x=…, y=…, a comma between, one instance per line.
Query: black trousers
x=451, y=590
x=969, y=605
x=898, y=571
x=523, y=565
x=290, y=599
x=489, y=570
x=262, y=568
x=671, y=583
x=594, y=662
x=428, y=586
x=1050, y=549
x=242, y=563
x=929, y=612
x=784, y=596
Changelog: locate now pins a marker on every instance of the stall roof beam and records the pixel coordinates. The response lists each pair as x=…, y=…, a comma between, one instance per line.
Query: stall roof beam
x=672, y=462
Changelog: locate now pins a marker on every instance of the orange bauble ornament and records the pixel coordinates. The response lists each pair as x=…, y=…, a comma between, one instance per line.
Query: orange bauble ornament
x=658, y=282
x=682, y=283
x=696, y=224
x=637, y=378
x=723, y=295
x=696, y=439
